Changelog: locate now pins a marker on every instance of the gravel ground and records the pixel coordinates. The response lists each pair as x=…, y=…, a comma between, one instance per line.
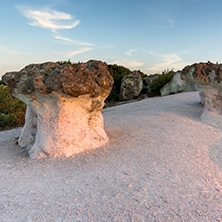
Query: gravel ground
x=161, y=164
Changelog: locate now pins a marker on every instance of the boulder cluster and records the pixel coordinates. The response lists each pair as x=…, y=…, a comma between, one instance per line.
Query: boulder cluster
x=204, y=77
x=64, y=101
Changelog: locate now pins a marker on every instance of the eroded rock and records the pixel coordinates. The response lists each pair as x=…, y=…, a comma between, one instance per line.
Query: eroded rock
x=149, y=80
x=64, y=106
x=208, y=77
x=131, y=86
x=176, y=85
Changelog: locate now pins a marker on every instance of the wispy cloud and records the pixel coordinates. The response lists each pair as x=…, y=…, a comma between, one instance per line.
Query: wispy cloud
x=71, y=54
x=11, y=52
x=129, y=63
x=171, y=22
x=168, y=61
x=129, y=53
x=50, y=19
x=59, y=37
x=162, y=16
x=53, y=20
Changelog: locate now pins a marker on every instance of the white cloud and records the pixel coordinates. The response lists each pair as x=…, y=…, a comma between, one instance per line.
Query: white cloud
x=71, y=54
x=50, y=19
x=129, y=63
x=129, y=53
x=10, y=51
x=72, y=41
x=168, y=61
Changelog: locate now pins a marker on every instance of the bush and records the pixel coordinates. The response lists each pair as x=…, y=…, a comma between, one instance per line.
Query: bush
x=117, y=72
x=2, y=83
x=161, y=81
x=12, y=111
x=66, y=62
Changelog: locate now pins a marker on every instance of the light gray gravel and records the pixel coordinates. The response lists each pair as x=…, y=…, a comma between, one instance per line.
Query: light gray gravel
x=161, y=164
x=9, y=134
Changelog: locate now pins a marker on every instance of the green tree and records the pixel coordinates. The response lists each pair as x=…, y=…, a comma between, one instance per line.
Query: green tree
x=12, y=111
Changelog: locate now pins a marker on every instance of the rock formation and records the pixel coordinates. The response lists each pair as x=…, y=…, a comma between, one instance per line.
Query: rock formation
x=149, y=80
x=177, y=85
x=131, y=86
x=208, y=77
x=64, y=106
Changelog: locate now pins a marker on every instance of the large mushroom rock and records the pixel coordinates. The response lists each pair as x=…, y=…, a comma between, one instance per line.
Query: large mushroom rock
x=208, y=77
x=64, y=106
x=176, y=85
x=131, y=86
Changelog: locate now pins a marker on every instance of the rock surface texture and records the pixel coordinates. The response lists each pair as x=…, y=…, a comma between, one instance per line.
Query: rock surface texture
x=131, y=86
x=64, y=106
x=208, y=77
x=177, y=85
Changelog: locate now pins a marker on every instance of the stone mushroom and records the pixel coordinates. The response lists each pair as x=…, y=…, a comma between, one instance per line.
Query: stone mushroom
x=64, y=104
x=208, y=77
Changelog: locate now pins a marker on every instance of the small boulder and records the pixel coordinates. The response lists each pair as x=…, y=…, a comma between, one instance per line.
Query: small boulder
x=64, y=104
x=131, y=86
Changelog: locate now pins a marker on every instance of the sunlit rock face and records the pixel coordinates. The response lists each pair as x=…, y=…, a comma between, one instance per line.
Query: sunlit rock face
x=64, y=104
x=177, y=85
x=208, y=77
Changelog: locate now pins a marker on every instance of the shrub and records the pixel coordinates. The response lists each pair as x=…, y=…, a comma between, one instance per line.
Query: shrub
x=117, y=72
x=12, y=111
x=161, y=81
x=2, y=83
x=66, y=62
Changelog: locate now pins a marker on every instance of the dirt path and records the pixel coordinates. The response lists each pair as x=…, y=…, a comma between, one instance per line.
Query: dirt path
x=161, y=164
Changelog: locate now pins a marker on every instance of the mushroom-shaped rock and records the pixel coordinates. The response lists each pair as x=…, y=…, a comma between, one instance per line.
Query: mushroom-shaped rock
x=64, y=104
x=208, y=77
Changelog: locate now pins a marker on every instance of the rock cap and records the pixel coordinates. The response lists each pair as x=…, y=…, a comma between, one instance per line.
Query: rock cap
x=91, y=78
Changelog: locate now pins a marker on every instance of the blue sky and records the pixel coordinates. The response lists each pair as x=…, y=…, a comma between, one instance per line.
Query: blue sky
x=149, y=35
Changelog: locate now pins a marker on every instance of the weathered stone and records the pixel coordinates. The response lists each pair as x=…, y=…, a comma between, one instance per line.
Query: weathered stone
x=64, y=106
x=131, y=86
x=149, y=80
x=177, y=85
x=27, y=137
x=208, y=77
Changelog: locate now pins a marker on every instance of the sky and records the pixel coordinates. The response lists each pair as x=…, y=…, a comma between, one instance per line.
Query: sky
x=146, y=35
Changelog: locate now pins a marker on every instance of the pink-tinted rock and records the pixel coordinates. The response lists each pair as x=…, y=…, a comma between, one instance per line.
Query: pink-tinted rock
x=64, y=104
x=208, y=77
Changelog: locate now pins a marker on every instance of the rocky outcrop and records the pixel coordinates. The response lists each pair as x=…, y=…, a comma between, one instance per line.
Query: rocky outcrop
x=177, y=85
x=208, y=77
x=131, y=86
x=64, y=106
x=149, y=80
